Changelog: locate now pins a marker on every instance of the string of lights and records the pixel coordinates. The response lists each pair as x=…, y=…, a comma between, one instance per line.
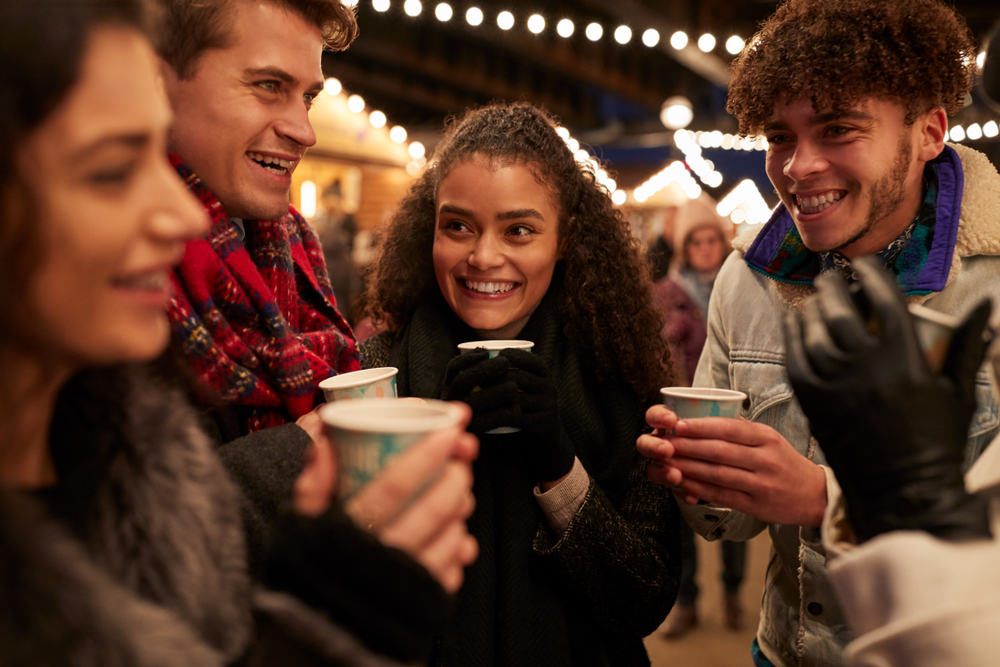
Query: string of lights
x=417, y=150
x=565, y=28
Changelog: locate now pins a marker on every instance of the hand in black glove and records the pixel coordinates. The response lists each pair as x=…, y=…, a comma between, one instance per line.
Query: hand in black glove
x=482, y=383
x=893, y=430
x=551, y=454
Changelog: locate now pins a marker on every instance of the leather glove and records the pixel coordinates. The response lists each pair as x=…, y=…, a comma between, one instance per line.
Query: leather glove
x=482, y=383
x=894, y=431
x=551, y=454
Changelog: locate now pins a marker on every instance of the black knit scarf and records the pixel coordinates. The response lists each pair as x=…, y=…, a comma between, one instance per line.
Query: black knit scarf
x=512, y=611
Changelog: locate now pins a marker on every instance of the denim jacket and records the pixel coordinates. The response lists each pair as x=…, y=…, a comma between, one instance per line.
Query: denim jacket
x=801, y=621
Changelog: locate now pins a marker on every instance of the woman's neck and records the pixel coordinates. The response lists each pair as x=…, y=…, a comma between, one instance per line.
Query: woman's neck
x=28, y=403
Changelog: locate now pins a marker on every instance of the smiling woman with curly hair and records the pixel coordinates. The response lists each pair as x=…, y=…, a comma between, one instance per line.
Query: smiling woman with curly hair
x=506, y=235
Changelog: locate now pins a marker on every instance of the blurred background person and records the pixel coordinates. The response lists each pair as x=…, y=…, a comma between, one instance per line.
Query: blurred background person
x=703, y=239
x=506, y=235
x=336, y=229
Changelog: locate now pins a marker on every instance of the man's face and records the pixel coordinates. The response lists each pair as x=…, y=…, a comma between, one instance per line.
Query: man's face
x=851, y=181
x=241, y=120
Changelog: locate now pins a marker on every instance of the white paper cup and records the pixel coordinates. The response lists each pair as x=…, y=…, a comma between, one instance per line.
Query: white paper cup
x=369, y=383
x=697, y=402
x=934, y=332
x=493, y=347
x=368, y=433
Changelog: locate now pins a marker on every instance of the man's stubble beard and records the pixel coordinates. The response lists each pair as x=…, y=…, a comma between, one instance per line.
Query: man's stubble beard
x=888, y=192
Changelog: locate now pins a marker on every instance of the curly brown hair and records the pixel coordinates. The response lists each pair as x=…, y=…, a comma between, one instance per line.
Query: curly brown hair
x=604, y=290
x=836, y=53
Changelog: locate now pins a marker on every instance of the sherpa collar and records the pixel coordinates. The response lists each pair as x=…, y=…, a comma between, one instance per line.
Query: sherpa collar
x=969, y=205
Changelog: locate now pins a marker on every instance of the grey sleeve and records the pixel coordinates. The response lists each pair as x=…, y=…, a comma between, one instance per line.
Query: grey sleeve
x=264, y=466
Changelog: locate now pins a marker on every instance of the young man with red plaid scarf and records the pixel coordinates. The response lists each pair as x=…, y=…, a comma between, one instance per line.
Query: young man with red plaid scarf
x=256, y=325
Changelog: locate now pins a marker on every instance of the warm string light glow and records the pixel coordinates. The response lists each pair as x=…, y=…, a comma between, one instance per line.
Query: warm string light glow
x=378, y=120
x=675, y=172
x=565, y=27
x=744, y=205
x=974, y=132
x=591, y=164
x=717, y=139
x=703, y=168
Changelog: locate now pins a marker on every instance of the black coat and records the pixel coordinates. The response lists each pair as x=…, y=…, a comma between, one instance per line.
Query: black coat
x=137, y=557
x=588, y=596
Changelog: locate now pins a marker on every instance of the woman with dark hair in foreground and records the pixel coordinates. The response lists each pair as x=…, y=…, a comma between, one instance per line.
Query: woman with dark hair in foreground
x=120, y=536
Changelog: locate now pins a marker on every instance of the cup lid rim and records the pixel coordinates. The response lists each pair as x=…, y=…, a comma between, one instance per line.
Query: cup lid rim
x=935, y=316
x=704, y=393
x=369, y=415
x=497, y=344
x=353, y=379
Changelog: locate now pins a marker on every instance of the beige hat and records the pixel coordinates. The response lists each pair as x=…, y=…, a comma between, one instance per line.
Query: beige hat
x=695, y=214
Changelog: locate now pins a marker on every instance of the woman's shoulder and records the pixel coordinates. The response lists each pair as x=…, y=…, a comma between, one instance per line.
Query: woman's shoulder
x=375, y=350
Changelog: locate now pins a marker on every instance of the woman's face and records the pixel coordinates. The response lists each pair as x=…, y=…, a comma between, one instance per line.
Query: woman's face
x=496, y=243
x=705, y=250
x=113, y=215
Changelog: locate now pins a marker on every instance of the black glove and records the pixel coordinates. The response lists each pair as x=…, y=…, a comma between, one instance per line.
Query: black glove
x=894, y=431
x=483, y=384
x=551, y=455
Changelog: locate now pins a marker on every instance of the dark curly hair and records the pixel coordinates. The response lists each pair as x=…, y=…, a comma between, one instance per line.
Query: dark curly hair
x=604, y=291
x=838, y=52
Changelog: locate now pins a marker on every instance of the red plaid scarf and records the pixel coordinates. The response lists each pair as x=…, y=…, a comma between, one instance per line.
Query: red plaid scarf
x=249, y=325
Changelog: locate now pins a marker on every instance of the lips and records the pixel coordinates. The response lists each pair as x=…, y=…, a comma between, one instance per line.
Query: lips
x=150, y=281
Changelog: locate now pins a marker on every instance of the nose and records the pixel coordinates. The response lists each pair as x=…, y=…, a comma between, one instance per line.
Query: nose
x=294, y=124
x=806, y=160
x=176, y=214
x=486, y=254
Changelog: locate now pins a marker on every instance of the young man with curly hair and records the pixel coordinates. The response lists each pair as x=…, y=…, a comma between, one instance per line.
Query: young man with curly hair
x=853, y=98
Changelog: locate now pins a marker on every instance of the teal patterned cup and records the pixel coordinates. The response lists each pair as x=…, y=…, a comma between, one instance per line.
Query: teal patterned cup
x=370, y=432
x=695, y=402
x=493, y=347
x=369, y=383
x=934, y=332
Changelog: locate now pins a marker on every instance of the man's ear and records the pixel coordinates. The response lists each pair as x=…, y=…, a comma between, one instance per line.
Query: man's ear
x=931, y=130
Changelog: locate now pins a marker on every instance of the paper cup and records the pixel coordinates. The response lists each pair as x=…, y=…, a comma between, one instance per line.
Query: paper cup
x=493, y=347
x=696, y=402
x=934, y=332
x=369, y=383
x=368, y=433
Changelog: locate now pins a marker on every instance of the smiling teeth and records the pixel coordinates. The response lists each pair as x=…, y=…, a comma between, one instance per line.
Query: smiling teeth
x=818, y=203
x=272, y=164
x=489, y=288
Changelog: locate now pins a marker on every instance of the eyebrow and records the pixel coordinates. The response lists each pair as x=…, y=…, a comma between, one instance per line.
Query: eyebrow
x=136, y=140
x=506, y=215
x=827, y=117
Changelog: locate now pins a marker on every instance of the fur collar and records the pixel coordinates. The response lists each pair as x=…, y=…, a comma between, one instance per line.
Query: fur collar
x=157, y=575
x=978, y=231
